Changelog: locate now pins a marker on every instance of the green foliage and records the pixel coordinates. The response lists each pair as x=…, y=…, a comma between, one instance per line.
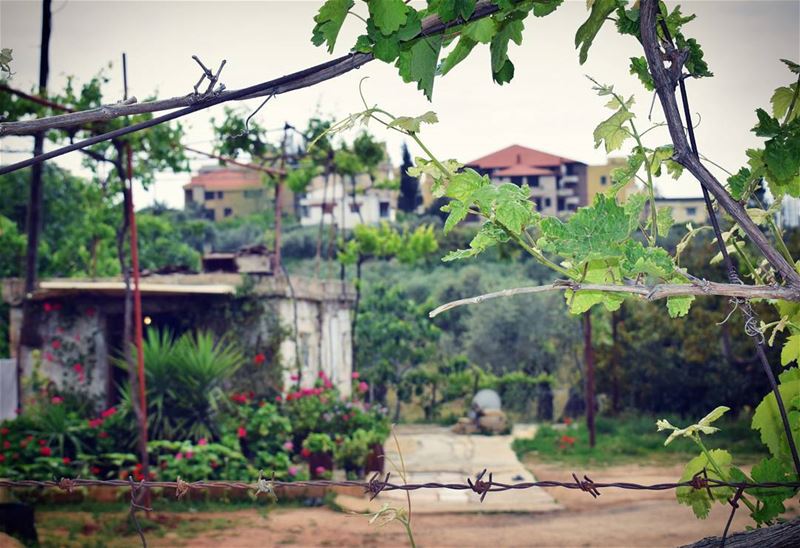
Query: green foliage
x=318, y=443
x=600, y=10
x=767, y=418
x=699, y=499
x=329, y=21
x=184, y=382
x=12, y=248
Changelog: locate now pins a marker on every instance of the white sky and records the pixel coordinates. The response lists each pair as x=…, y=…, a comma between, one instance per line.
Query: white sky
x=549, y=105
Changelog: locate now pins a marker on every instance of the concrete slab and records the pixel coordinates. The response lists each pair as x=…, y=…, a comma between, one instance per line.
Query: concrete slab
x=433, y=454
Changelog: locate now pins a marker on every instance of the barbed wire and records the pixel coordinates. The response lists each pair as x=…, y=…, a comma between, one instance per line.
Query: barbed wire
x=379, y=483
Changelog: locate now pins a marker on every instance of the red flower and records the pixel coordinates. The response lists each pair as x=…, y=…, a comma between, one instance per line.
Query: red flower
x=4, y=430
x=78, y=368
x=48, y=307
x=15, y=456
x=241, y=432
x=6, y=444
x=95, y=423
x=102, y=434
x=90, y=311
x=278, y=399
x=66, y=460
x=363, y=387
x=56, y=344
x=108, y=412
x=2, y=458
x=56, y=400
x=355, y=375
x=305, y=453
x=45, y=451
x=567, y=421
x=49, y=357
x=42, y=443
x=259, y=358
x=95, y=470
x=213, y=464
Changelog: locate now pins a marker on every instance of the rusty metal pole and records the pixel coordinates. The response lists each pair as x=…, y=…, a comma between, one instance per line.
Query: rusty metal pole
x=137, y=300
x=588, y=354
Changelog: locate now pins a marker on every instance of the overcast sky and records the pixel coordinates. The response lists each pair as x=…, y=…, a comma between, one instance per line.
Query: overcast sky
x=549, y=105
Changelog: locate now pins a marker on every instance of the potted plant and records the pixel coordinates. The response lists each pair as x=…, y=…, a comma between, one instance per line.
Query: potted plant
x=318, y=449
x=351, y=453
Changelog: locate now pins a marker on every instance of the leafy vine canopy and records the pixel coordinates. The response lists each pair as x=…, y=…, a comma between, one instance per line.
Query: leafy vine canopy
x=616, y=241
x=612, y=241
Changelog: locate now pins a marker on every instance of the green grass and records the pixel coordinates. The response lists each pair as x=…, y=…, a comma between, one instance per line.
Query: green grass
x=635, y=439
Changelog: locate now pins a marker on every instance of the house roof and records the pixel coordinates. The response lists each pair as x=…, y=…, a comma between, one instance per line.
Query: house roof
x=519, y=155
x=522, y=170
x=225, y=178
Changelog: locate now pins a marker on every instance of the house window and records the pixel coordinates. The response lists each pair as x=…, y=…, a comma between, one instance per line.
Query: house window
x=603, y=180
x=304, y=211
x=327, y=207
x=208, y=195
x=209, y=214
x=691, y=211
x=561, y=204
x=228, y=212
x=187, y=196
x=517, y=180
x=220, y=194
x=533, y=182
x=383, y=209
x=354, y=207
x=538, y=202
x=548, y=202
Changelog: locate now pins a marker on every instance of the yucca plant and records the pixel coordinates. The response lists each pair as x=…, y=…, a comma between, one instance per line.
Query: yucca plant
x=184, y=382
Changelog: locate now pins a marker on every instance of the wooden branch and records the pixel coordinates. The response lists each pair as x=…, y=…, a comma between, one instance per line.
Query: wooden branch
x=291, y=82
x=649, y=293
x=666, y=80
x=783, y=534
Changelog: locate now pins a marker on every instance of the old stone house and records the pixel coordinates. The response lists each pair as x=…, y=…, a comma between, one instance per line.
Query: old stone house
x=285, y=327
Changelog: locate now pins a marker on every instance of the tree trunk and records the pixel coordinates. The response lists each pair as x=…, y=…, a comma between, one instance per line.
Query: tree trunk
x=615, y=318
x=588, y=353
x=784, y=534
x=28, y=334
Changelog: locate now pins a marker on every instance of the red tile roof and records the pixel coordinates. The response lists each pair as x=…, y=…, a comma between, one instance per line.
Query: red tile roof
x=519, y=155
x=225, y=178
x=520, y=170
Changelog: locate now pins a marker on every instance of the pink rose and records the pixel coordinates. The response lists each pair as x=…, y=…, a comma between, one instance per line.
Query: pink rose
x=289, y=446
x=363, y=387
x=179, y=456
x=202, y=441
x=319, y=470
x=241, y=432
x=293, y=470
x=189, y=454
x=56, y=400
x=355, y=375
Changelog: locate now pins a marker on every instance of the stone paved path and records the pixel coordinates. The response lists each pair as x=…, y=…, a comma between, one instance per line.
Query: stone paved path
x=434, y=454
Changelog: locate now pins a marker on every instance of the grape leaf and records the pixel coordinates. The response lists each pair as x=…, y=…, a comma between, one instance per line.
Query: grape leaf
x=621, y=176
x=481, y=30
x=329, y=22
x=386, y=49
x=413, y=124
x=489, y=235
x=640, y=69
x=513, y=210
x=664, y=220
x=611, y=131
x=679, y=306
x=794, y=67
x=587, y=32
x=546, y=7
x=417, y=62
x=464, y=184
x=510, y=30
x=699, y=499
x=388, y=15
x=659, y=156
x=458, y=211
x=781, y=100
x=457, y=54
x=505, y=74
x=791, y=349
x=594, y=232
x=597, y=272
x=767, y=419
x=652, y=261
x=448, y=10
x=739, y=183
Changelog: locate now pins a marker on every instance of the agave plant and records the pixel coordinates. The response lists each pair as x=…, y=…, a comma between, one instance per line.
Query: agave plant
x=184, y=382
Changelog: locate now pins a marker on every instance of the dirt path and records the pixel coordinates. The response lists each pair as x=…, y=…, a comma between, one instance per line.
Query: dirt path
x=616, y=518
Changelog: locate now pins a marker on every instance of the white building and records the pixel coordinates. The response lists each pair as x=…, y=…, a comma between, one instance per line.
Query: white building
x=790, y=212
x=335, y=203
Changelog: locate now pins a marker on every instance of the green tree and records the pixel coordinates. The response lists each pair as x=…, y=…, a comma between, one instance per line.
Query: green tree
x=409, y=197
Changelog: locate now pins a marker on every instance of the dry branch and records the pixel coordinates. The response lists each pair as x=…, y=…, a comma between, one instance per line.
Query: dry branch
x=294, y=81
x=650, y=293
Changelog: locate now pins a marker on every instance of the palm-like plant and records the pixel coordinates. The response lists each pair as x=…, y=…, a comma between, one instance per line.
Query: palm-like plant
x=184, y=382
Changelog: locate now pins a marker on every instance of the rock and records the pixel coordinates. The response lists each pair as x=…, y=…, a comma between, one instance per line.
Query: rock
x=493, y=421
x=464, y=426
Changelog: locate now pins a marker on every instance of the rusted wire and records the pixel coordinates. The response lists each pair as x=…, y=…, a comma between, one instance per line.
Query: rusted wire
x=375, y=486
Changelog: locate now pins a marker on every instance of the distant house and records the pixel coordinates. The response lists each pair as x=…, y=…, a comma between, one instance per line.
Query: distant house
x=225, y=192
x=558, y=185
x=336, y=203
x=686, y=210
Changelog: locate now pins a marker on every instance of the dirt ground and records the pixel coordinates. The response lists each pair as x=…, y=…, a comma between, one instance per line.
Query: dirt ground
x=616, y=518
